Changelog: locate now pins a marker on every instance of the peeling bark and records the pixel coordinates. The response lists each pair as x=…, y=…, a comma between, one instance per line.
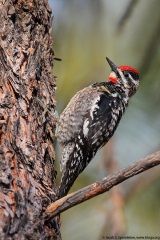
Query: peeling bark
x=27, y=120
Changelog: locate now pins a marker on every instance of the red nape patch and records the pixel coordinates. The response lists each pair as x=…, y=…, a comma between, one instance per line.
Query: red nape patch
x=113, y=79
x=128, y=68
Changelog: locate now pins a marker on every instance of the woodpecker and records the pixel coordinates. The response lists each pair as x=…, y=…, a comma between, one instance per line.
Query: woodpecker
x=90, y=120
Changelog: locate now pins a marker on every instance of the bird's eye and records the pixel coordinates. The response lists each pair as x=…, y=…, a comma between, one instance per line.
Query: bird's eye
x=126, y=75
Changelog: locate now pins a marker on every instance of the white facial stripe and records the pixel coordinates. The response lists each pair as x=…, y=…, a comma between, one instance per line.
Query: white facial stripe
x=133, y=80
x=131, y=77
x=122, y=77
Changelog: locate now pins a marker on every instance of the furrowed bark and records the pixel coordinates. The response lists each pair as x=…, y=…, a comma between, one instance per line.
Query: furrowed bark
x=27, y=120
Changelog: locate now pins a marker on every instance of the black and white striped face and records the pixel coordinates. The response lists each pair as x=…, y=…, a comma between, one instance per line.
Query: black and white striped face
x=124, y=76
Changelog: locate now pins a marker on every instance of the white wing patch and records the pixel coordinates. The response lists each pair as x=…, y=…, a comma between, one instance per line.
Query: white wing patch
x=85, y=127
x=94, y=106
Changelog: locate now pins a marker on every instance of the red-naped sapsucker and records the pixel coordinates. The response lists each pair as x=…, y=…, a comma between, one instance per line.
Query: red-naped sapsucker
x=90, y=119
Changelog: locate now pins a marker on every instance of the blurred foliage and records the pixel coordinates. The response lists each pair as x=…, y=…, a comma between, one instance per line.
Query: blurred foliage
x=128, y=32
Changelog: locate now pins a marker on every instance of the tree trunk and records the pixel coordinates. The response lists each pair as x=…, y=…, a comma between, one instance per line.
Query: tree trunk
x=27, y=120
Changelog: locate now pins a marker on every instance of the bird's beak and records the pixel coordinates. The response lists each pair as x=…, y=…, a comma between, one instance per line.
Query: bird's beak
x=112, y=65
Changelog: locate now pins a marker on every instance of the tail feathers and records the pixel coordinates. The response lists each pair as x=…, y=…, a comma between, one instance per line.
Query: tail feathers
x=62, y=192
x=64, y=187
x=67, y=181
x=71, y=166
x=75, y=157
x=68, y=177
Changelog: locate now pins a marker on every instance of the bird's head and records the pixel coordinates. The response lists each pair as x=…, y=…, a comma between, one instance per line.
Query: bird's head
x=125, y=77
